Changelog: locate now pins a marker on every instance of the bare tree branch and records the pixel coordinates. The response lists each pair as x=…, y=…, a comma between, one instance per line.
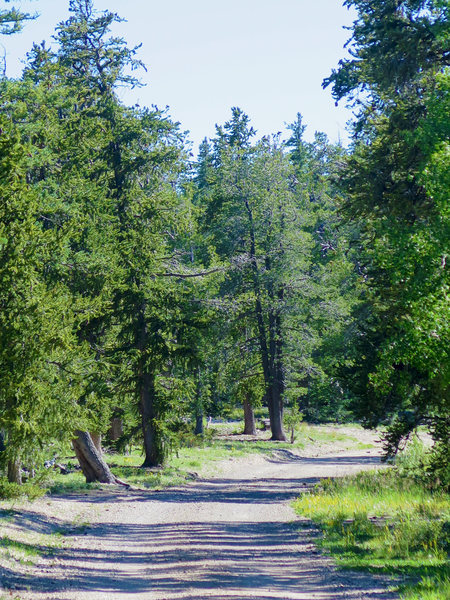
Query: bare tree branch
x=186, y=275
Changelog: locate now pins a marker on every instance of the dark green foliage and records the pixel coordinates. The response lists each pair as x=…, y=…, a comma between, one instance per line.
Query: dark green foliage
x=269, y=215
x=35, y=317
x=392, y=42
x=397, y=183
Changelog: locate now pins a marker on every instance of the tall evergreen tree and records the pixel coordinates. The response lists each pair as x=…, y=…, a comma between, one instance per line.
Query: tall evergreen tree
x=333, y=275
x=108, y=174
x=395, y=180
x=36, y=323
x=141, y=159
x=256, y=225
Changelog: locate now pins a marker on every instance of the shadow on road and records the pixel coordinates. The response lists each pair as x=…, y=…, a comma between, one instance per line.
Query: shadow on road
x=267, y=560
x=194, y=560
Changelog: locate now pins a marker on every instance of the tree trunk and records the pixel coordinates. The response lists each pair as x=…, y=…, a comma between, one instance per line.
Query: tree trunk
x=14, y=471
x=91, y=461
x=153, y=445
x=276, y=374
x=116, y=429
x=199, y=406
x=249, y=419
x=268, y=350
x=276, y=413
x=199, y=429
x=97, y=441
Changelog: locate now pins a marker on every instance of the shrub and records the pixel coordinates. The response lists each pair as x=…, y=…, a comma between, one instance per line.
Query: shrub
x=14, y=491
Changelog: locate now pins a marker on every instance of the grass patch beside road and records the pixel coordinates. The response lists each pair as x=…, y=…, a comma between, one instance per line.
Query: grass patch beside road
x=385, y=522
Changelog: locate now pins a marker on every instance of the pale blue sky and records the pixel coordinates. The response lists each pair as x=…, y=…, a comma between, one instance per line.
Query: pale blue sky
x=203, y=56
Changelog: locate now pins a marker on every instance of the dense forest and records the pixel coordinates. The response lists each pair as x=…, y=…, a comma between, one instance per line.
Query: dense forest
x=143, y=291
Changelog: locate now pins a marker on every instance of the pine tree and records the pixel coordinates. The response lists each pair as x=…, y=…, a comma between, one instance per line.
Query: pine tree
x=255, y=223
x=36, y=391
x=395, y=180
x=141, y=159
x=105, y=173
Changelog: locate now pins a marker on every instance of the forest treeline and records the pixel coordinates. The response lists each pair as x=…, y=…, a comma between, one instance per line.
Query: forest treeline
x=143, y=289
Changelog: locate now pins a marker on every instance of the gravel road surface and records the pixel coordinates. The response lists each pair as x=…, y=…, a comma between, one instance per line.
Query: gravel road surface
x=229, y=537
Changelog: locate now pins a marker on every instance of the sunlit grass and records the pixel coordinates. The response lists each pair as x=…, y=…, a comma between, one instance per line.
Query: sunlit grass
x=386, y=523
x=430, y=587
x=17, y=547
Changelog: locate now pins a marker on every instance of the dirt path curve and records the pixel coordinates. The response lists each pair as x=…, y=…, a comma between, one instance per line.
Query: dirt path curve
x=230, y=537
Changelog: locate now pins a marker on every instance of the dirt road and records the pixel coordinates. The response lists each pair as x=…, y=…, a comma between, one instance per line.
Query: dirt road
x=231, y=537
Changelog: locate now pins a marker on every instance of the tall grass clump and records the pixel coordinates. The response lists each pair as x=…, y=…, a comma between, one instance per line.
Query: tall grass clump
x=390, y=521
x=429, y=466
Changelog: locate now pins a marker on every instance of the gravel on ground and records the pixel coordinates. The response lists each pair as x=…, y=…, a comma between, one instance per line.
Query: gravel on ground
x=231, y=536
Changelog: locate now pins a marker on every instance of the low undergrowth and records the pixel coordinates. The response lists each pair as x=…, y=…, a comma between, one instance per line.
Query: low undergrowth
x=14, y=491
x=385, y=521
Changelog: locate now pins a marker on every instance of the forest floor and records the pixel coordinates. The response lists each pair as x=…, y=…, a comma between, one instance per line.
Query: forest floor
x=228, y=535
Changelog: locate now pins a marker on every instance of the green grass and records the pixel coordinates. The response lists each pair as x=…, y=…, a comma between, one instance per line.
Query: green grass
x=10, y=548
x=387, y=523
x=70, y=483
x=322, y=434
x=16, y=551
x=305, y=434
